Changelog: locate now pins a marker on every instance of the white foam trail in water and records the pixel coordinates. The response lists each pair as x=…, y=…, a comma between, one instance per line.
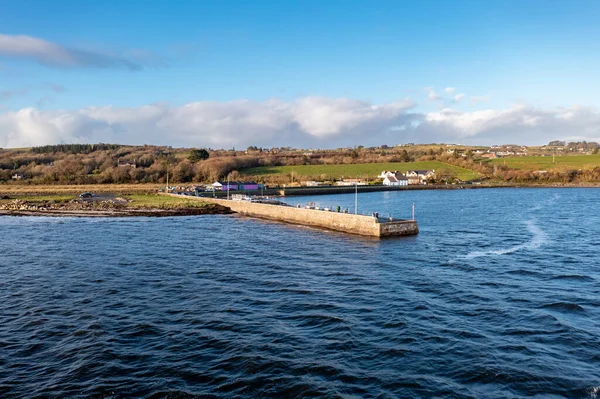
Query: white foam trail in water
x=538, y=239
x=544, y=204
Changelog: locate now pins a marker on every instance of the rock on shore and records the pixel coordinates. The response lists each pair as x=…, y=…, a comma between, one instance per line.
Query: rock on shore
x=101, y=208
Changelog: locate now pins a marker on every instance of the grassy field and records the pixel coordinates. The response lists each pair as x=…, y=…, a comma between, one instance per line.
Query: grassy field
x=563, y=162
x=162, y=201
x=370, y=170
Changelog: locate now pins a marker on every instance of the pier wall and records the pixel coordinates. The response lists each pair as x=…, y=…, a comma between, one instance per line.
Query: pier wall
x=346, y=222
x=398, y=228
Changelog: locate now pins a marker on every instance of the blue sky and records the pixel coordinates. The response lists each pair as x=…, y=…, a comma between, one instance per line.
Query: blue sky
x=535, y=58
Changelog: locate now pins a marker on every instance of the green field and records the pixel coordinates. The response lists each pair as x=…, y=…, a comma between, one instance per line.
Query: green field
x=370, y=170
x=162, y=201
x=563, y=162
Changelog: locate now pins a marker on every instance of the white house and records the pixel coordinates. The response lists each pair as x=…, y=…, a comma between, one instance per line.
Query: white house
x=222, y=186
x=312, y=183
x=395, y=181
x=351, y=182
x=387, y=173
x=419, y=176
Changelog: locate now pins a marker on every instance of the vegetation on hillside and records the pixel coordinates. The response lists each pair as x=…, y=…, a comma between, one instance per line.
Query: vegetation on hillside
x=113, y=164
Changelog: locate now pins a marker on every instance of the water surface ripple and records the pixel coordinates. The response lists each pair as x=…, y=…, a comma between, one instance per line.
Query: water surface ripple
x=496, y=298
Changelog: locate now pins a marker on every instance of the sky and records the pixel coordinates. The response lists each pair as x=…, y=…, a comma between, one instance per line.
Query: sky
x=308, y=74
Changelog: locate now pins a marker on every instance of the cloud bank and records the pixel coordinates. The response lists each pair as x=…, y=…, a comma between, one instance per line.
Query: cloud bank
x=55, y=55
x=305, y=122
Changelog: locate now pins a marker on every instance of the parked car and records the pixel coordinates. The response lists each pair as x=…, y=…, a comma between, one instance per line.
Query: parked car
x=86, y=195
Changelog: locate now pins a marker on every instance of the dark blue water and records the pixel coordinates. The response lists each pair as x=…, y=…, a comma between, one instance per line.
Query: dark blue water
x=497, y=297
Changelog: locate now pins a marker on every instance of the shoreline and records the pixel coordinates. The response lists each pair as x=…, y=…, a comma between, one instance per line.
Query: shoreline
x=306, y=191
x=44, y=208
x=106, y=209
x=120, y=213
x=16, y=191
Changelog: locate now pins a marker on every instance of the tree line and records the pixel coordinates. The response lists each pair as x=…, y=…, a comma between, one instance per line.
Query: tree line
x=74, y=148
x=112, y=163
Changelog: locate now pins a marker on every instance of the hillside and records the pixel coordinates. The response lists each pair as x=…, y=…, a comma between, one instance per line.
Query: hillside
x=558, y=163
x=92, y=164
x=368, y=170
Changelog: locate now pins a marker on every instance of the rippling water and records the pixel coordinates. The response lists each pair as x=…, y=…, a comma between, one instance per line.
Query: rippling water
x=498, y=296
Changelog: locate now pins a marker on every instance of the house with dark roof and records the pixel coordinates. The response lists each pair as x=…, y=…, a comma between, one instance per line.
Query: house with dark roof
x=235, y=185
x=419, y=176
x=395, y=180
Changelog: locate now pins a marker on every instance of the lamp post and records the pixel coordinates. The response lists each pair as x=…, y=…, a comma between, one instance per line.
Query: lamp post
x=227, y=186
x=356, y=198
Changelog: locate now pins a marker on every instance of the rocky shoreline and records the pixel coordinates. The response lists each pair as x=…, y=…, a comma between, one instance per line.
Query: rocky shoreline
x=78, y=208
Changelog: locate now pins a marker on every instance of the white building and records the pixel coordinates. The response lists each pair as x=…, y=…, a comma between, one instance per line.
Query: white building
x=387, y=173
x=395, y=181
x=419, y=176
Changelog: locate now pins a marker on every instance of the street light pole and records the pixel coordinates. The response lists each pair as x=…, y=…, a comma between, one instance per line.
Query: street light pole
x=356, y=198
x=227, y=186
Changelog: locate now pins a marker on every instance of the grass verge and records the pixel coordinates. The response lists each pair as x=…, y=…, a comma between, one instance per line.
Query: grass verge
x=156, y=201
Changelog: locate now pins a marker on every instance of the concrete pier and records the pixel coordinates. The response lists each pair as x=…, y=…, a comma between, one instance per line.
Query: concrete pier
x=345, y=222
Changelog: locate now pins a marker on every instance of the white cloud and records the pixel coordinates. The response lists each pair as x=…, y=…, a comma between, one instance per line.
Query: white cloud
x=479, y=99
x=432, y=96
x=318, y=120
x=449, y=90
x=457, y=98
x=518, y=124
x=55, y=55
x=305, y=122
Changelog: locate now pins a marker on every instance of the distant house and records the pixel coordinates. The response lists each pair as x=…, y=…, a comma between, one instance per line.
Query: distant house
x=250, y=185
x=18, y=176
x=399, y=180
x=387, y=173
x=351, y=182
x=491, y=155
x=234, y=185
x=419, y=176
x=312, y=183
x=224, y=186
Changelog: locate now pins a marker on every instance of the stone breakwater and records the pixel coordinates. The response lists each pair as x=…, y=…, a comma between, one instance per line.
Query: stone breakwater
x=345, y=222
